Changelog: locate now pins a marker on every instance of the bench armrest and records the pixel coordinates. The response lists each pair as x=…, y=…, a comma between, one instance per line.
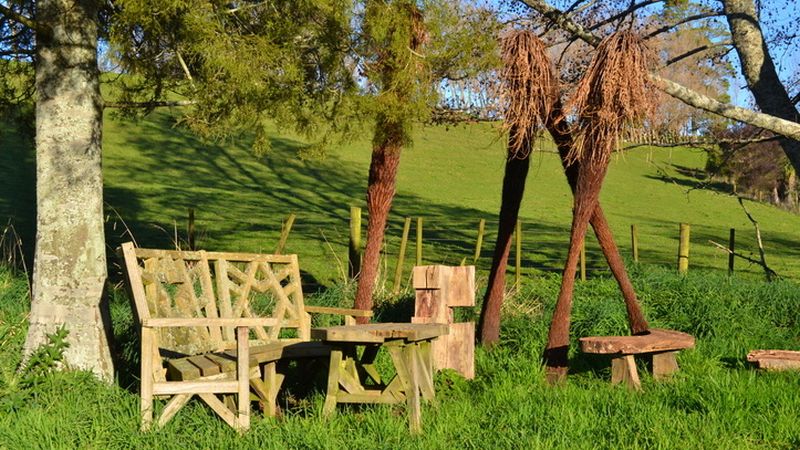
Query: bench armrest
x=164, y=322
x=340, y=311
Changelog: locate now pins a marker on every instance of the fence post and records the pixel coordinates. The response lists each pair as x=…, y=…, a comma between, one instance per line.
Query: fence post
x=479, y=242
x=190, y=231
x=518, y=255
x=583, y=260
x=398, y=271
x=683, y=249
x=635, y=242
x=355, y=241
x=731, y=247
x=286, y=228
x=419, y=241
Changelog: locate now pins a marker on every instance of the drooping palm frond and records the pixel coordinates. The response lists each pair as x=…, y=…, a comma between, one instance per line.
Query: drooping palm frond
x=528, y=86
x=614, y=94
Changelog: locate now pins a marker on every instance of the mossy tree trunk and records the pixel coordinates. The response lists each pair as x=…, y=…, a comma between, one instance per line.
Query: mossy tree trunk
x=69, y=270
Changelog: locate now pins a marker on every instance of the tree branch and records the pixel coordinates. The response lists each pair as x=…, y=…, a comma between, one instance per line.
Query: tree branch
x=767, y=269
x=666, y=28
x=695, y=51
x=17, y=17
x=622, y=14
x=682, y=93
x=153, y=104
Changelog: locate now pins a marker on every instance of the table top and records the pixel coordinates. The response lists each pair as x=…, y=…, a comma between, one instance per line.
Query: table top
x=380, y=332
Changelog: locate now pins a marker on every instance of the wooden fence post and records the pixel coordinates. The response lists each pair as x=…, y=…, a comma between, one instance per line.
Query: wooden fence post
x=518, y=255
x=355, y=241
x=731, y=247
x=286, y=228
x=190, y=231
x=583, y=260
x=479, y=242
x=398, y=271
x=683, y=249
x=419, y=241
x=635, y=242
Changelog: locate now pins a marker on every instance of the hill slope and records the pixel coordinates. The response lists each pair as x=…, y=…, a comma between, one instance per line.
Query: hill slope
x=154, y=172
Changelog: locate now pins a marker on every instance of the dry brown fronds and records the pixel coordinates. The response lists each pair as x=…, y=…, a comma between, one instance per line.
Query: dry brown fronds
x=615, y=93
x=528, y=87
x=419, y=34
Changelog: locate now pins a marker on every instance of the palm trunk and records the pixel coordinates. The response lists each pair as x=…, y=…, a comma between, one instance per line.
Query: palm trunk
x=69, y=270
x=516, y=171
x=380, y=193
x=562, y=137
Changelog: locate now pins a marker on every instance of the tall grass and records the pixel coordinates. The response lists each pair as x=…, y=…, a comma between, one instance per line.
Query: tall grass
x=714, y=401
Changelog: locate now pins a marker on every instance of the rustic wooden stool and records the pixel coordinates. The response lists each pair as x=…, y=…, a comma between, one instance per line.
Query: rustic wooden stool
x=661, y=345
x=774, y=360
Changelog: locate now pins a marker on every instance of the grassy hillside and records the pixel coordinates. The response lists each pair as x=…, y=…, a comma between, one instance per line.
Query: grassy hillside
x=154, y=172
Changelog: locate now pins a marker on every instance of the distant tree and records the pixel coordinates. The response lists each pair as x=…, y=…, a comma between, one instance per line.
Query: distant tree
x=57, y=41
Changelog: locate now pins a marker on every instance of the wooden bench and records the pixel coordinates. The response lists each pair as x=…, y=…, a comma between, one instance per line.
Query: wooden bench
x=215, y=324
x=661, y=345
x=775, y=360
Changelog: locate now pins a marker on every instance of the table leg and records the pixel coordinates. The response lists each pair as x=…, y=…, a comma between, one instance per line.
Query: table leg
x=412, y=358
x=334, y=369
x=368, y=363
x=425, y=363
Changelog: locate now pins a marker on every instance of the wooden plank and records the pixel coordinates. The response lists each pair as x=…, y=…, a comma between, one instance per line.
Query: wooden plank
x=658, y=340
x=181, y=369
x=623, y=370
x=219, y=408
x=413, y=393
x=664, y=365
x=242, y=375
x=197, y=255
x=146, y=377
x=775, y=359
x=461, y=286
x=333, y=382
x=427, y=277
x=159, y=322
x=224, y=295
x=379, y=332
x=206, y=366
x=172, y=407
x=195, y=387
x=208, y=297
x=133, y=273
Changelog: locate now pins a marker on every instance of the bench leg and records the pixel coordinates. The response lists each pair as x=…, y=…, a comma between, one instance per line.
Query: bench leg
x=664, y=365
x=333, y=382
x=623, y=370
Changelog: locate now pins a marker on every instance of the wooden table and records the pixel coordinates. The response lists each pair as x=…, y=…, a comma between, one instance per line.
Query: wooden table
x=354, y=379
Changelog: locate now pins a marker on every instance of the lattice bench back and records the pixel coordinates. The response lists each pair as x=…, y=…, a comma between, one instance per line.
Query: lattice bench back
x=189, y=284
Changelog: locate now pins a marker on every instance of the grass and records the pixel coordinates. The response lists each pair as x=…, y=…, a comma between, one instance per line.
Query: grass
x=155, y=171
x=715, y=401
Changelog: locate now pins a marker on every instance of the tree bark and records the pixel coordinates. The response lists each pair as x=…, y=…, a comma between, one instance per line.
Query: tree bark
x=759, y=70
x=380, y=193
x=559, y=130
x=69, y=270
x=516, y=172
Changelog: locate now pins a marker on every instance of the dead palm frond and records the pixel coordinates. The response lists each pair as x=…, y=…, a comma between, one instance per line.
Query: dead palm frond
x=614, y=94
x=528, y=87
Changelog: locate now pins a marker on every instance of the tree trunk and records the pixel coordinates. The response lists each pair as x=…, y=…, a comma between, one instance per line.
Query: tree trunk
x=69, y=269
x=759, y=70
x=516, y=171
x=562, y=137
x=380, y=193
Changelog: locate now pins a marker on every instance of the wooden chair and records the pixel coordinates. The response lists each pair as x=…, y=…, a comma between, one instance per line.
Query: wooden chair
x=215, y=324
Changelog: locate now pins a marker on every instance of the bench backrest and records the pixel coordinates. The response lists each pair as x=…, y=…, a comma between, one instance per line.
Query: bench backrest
x=171, y=283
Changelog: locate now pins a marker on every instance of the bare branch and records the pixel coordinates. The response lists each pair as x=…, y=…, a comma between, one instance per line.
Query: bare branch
x=766, y=268
x=769, y=272
x=669, y=27
x=17, y=17
x=153, y=104
x=624, y=13
x=695, y=51
x=690, y=97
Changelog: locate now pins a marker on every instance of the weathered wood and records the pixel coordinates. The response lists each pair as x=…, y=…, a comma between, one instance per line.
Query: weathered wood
x=419, y=241
x=683, y=248
x=623, y=370
x=190, y=237
x=732, y=250
x=658, y=340
x=775, y=359
x=334, y=369
x=479, y=241
x=401, y=256
x=158, y=322
x=379, y=332
x=339, y=311
x=354, y=252
x=664, y=364
x=286, y=228
x=242, y=375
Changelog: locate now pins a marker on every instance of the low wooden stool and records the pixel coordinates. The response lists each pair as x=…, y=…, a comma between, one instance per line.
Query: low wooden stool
x=661, y=345
x=775, y=359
